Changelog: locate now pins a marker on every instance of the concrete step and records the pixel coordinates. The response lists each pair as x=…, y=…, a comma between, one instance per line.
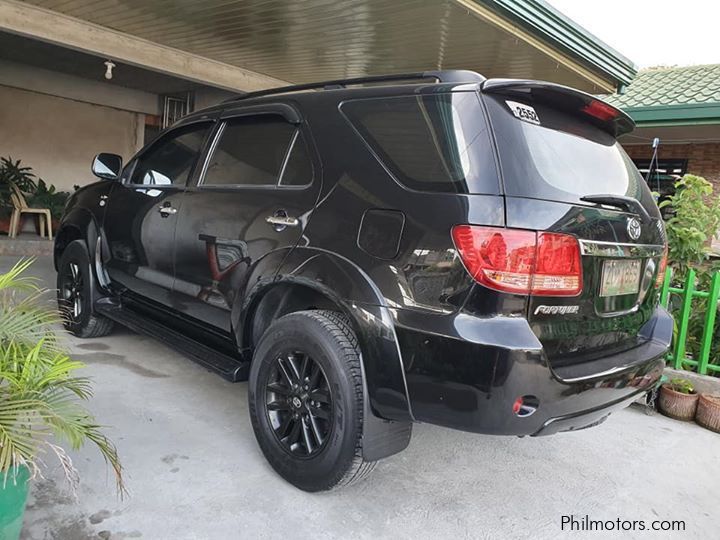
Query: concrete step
x=25, y=245
x=704, y=384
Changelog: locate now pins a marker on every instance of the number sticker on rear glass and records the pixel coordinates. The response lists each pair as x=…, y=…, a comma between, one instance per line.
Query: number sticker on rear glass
x=524, y=112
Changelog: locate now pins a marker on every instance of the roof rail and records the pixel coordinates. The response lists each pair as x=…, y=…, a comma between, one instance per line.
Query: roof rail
x=443, y=76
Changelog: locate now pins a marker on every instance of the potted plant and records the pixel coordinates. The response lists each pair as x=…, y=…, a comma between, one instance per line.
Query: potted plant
x=678, y=399
x=40, y=398
x=46, y=196
x=12, y=174
x=708, y=412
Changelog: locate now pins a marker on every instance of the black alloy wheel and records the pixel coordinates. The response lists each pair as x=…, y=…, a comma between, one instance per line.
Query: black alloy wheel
x=72, y=290
x=306, y=400
x=299, y=404
x=75, y=288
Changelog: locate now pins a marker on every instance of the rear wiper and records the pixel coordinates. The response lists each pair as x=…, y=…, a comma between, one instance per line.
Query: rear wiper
x=620, y=201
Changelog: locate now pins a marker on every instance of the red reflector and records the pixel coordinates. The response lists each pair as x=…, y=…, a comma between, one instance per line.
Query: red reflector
x=519, y=261
x=661, y=268
x=600, y=110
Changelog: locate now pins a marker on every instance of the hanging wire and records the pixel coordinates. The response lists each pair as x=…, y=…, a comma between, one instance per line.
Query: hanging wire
x=654, y=161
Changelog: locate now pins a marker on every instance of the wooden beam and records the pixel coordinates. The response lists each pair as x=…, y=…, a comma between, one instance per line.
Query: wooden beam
x=52, y=27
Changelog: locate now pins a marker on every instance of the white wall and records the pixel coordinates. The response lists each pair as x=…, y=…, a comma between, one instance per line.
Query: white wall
x=45, y=81
x=58, y=137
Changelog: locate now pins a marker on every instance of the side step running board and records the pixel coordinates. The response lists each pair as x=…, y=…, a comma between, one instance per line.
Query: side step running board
x=226, y=366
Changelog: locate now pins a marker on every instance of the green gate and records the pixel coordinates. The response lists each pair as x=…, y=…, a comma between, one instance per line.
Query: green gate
x=678, y=357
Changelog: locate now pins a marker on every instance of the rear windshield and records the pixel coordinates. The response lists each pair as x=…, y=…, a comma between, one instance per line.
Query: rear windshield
x=551, y=155
x=437, y=142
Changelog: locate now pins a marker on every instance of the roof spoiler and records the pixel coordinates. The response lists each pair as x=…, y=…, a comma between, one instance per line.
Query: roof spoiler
x=575, y=102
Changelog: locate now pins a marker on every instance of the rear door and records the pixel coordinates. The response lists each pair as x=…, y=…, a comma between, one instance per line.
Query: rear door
x=142, y=213
x=564, y=171
x=260, y=169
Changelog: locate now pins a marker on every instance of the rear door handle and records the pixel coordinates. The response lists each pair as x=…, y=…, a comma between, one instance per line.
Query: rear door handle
x=283, y=221
x=166, y=211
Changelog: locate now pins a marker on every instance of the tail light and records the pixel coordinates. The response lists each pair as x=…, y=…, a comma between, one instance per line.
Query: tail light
x=519, y=261
x=661, y=268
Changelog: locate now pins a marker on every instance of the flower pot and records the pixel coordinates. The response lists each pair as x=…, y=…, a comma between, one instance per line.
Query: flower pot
x=708, y=412
x=676, y=404
x=13, y=495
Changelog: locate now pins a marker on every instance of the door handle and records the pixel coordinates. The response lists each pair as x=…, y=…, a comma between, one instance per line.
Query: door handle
x=166, y=211
x=282, y=221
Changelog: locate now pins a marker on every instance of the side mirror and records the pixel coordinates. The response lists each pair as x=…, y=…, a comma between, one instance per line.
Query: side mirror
x=107, y=166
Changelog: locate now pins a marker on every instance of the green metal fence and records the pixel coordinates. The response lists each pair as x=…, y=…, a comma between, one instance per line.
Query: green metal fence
x=687, y=292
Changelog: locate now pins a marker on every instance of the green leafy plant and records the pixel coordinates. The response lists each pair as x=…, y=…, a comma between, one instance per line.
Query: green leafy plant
x=694, y=220
x=13, y=174
x=684, y=386
x=41, y=393
x=46, y=196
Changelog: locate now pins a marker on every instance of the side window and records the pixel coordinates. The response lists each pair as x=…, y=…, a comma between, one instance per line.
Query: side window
x=254, y=151
x=437, y=142
x=170, y=160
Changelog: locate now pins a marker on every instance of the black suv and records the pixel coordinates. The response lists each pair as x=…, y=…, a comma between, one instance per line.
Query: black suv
x=430, y=247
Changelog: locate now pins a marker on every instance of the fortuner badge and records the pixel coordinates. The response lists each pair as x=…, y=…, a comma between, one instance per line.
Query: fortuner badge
x=556, y=310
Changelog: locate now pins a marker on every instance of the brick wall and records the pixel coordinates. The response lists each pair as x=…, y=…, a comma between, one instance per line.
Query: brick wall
x=703, y=159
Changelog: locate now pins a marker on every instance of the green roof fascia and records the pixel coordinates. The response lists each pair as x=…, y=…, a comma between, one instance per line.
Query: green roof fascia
x=547, y=23
x=675, y=115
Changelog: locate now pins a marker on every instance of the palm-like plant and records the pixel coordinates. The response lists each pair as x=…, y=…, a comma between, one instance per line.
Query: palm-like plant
x=40, y=392
x=14, y=176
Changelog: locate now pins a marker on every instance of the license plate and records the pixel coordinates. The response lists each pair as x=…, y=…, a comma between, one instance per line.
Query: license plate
x=620, y=277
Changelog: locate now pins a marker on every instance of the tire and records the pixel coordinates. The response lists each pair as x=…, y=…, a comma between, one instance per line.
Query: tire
x=333, y=409
x=75, y=283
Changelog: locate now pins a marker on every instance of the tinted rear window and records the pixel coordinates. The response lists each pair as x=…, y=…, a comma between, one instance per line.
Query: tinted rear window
x=436, y=142
x=552, y=155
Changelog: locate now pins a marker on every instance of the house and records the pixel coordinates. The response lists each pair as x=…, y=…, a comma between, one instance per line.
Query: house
x=681, y=107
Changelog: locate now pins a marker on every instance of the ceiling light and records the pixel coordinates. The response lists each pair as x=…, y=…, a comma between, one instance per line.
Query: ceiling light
x=109, y=64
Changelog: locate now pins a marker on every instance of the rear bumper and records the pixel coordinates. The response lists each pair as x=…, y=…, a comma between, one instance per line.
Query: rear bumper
x=468, y=373
x=584, y=419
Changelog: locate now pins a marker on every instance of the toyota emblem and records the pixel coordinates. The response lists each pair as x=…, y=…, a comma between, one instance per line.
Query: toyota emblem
x=633, y=228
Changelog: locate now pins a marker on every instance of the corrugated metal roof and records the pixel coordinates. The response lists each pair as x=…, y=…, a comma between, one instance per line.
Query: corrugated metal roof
x=674, y=96
x=546, y=21
x=671, y=86
x=327, y=39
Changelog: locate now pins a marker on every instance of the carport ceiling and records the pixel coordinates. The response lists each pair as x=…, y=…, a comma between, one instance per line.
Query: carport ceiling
x=303, y=41
x=24, y=50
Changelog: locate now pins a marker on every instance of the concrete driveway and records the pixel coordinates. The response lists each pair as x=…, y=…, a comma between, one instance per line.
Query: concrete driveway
x=194, y=470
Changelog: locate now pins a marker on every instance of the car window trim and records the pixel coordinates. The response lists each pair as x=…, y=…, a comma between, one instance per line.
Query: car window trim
x=298, y=138
x=171, y=131
x=290, y=114
x=253, y=111
x=288, y=153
